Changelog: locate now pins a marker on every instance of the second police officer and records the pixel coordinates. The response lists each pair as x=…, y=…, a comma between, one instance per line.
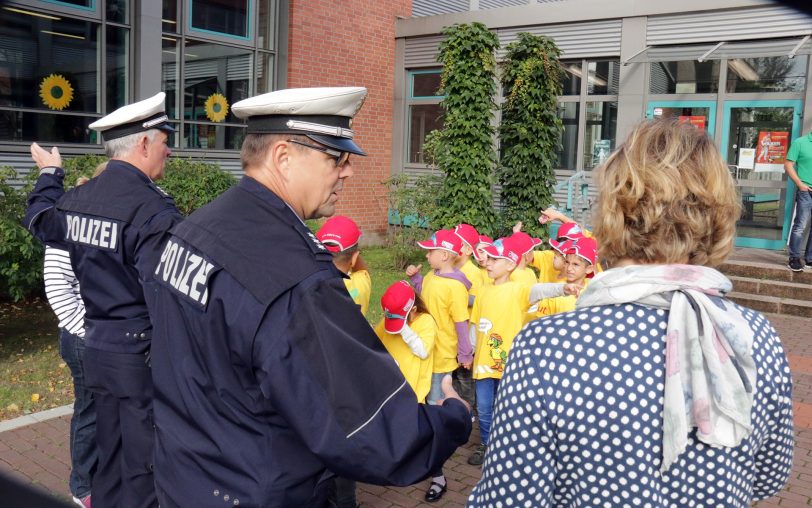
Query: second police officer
x=266, y=374
x=114, y=226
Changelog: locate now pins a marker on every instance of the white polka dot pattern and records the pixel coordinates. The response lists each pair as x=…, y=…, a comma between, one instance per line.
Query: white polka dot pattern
x=577, y=420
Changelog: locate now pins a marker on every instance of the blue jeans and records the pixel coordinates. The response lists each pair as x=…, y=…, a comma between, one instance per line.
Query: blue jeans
x=803, y=211
x=485, y=396
x=84, y=455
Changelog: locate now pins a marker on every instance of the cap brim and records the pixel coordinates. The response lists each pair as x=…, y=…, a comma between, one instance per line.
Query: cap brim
x=394, y=325
x=341, y=144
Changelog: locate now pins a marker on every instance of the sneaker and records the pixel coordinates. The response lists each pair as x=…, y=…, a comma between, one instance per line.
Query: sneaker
x=795, y=265
x=808, y=264
x=85, y=501
x=478, y=456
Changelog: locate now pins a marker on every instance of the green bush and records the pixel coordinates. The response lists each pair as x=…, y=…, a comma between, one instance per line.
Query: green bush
x=192, y=183
x=20, y=253
x=411, y=206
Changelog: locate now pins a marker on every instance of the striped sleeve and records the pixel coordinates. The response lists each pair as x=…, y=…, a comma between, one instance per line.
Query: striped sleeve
x=62, y=291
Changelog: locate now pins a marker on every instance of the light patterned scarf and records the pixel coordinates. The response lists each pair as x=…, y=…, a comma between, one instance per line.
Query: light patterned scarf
x=710, y=373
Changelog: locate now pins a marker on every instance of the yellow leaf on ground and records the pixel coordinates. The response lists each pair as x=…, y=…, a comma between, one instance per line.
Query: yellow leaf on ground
x=12, y=407
x=62, y=365
x=34, y=397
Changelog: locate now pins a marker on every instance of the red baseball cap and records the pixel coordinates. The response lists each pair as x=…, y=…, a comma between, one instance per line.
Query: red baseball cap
x=524, y=242
x=397, y=301
x=444, y=239
x=339, y=233
x=468, y=234
x=505, y=248
x=586, y=248
x=561, y=247
x=485, y=239
x=570, y=231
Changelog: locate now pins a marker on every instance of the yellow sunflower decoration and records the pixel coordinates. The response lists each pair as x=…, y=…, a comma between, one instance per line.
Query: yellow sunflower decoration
x=56, y=92
x=216, y=107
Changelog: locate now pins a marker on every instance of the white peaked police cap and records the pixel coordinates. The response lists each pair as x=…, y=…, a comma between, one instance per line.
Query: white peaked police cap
x=133, y=118
x=322, y=114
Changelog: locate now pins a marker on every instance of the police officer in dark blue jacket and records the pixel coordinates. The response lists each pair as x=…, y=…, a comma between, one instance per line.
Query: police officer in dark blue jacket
x=114, y=227
x=268, y=379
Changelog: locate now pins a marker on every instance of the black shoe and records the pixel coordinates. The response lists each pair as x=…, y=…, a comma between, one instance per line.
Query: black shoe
x=478, y=456
x=436, y=491
x=795, y=265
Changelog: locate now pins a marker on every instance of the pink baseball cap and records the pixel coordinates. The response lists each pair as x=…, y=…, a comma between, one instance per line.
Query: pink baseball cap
x=586, y=248
x=444, y=239
x=397, y=301
x=505, y=248
x=570, y=231
x=339, y=233
x=524, y=242
x=485, y=239
x=468, y=234
x=561, y=247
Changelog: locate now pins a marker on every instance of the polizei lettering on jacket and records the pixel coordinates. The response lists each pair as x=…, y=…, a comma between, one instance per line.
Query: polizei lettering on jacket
x=185, y=271
x=92, y=231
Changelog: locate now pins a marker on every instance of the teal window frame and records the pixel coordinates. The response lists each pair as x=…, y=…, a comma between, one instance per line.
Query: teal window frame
x=249, y=21
x=93, y=5
x=411, y=84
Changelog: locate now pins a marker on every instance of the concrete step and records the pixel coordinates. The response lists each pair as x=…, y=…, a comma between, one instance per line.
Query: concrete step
x=767, y=287
x=766, y=271
x=773, y=304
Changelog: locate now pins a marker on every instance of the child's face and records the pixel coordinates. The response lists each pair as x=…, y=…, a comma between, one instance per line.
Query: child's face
x=481, y=254
x=577, y=268
x=499, y=267
x=436, y=257
x=559, y=261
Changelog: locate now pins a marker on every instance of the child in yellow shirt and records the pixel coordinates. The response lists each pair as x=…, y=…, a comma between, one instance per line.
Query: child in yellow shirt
x=341, y=235
x=496, y=318
x=581, y=255
x=445, y=292
x=470, y=239
x=408, y=332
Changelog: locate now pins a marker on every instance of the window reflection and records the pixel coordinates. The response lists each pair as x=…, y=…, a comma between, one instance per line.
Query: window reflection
x=769, y=74
x=601, y=130
x=424, y=118
x=687, y=76
x=604, y=77
x=568, y=151
x=571, y=78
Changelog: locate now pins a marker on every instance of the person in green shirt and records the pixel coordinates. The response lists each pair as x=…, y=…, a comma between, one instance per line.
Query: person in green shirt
x=798, y=166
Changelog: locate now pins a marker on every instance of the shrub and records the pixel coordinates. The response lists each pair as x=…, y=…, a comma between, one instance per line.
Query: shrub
x=194, y=183
x=530, y=132
x=411, y=206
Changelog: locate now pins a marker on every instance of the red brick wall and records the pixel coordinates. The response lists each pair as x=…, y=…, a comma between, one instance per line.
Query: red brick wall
x=352, y=43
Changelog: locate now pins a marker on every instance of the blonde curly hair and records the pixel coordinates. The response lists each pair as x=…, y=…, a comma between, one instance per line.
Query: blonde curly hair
x=666, y=196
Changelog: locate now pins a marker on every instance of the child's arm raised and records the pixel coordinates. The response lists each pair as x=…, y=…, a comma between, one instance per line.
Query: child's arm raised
x=413, y=272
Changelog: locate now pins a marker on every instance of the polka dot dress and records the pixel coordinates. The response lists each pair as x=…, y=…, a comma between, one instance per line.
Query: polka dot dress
x=578, y=420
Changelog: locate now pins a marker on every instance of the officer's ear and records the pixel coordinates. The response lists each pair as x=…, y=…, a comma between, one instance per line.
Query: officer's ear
x=278, y=156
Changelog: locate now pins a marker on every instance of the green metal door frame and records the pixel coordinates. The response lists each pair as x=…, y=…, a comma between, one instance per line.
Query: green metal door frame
x=760, y=243
x=711, y=105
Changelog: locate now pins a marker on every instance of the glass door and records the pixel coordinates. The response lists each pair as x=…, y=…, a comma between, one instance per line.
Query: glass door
x=755, y=139
x=699, y=113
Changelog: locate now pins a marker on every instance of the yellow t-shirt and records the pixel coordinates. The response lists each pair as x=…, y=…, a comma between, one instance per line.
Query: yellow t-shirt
x=524, y=276
x=478, y=276
x=557, y=305
x=447, y=302
x=498, y=313
x=359, y=286
x=416, y=371
x=543, y=262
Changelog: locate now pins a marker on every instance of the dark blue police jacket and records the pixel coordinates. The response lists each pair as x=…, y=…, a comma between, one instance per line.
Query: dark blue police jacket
x=113, y=226
x=266, y=374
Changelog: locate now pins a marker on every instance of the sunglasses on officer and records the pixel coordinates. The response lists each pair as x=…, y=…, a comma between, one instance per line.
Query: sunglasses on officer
x=341, y=158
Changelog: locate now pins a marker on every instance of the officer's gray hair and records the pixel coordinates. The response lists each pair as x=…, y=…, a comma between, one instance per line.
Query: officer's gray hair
x=121, y=147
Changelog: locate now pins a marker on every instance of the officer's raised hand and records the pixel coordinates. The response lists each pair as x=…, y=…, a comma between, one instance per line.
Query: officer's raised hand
x=43, y=158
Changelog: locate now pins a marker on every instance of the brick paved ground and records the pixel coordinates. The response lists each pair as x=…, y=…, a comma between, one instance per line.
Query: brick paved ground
x=38, y=453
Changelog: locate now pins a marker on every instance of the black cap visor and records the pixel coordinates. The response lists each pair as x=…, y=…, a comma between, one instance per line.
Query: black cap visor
x=336, y=143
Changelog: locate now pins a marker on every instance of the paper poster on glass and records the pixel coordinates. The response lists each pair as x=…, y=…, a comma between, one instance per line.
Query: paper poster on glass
x=771, y=151
x=747, y=158
x=697, y=121
x=600, y=151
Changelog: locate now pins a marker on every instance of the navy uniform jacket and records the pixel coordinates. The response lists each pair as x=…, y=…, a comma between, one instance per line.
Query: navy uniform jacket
x=266, y=374
x=113, y=226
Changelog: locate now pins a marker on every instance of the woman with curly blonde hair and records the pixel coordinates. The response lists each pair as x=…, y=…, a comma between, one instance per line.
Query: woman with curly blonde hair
x=657, y=390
